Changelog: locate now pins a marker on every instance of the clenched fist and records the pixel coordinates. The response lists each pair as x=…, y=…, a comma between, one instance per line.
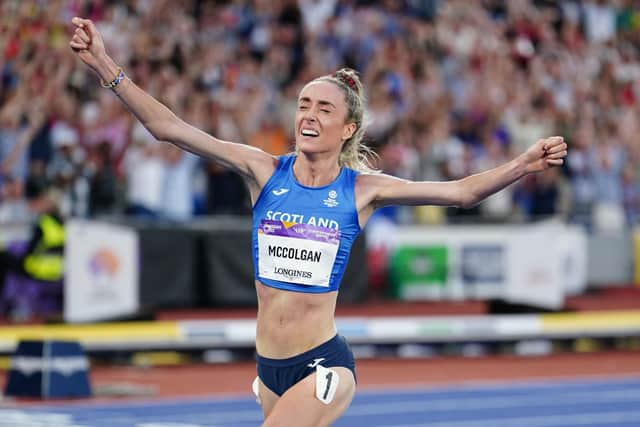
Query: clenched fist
x=544, y=154
x=87, y=42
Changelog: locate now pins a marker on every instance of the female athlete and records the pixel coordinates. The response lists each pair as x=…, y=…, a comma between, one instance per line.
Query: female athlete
x=308, y=208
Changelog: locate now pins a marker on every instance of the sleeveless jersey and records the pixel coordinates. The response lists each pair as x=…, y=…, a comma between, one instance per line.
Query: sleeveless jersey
x=301, y=235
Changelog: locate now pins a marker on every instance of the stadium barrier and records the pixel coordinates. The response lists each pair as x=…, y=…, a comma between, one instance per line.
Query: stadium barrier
x=371, y=330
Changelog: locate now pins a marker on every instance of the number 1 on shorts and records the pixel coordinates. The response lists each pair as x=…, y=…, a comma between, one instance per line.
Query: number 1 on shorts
x=326, y=384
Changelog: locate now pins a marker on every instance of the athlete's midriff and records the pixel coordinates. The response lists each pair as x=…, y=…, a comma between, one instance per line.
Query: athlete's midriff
x=290, y=323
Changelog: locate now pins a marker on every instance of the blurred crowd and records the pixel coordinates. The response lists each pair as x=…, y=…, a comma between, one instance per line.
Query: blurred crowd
x=454, y=88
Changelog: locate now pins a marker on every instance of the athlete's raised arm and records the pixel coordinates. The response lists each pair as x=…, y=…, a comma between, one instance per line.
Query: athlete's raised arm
x=163, y=124
x=466, y=192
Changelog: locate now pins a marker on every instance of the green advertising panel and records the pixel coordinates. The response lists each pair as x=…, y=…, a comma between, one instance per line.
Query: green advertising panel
x=418, y=272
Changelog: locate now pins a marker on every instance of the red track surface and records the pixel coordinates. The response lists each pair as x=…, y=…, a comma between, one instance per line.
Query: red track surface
x=237, y=378
x=207, y=380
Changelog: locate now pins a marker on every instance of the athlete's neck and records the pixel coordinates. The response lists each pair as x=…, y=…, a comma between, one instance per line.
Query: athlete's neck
x=315, y=171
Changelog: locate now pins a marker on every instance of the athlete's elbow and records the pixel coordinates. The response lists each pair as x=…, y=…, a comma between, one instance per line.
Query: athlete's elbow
x=158, y=134
x=466, y=198
x=467, y=201
x=162, y=130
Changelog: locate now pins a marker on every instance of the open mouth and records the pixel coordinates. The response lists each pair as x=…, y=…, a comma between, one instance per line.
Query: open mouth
x=309, y=132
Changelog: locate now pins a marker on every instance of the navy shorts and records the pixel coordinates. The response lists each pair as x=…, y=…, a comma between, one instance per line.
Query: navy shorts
x=280, y=374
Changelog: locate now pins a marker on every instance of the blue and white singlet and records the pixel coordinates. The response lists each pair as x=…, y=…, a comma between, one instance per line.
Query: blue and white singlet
x=302, y=235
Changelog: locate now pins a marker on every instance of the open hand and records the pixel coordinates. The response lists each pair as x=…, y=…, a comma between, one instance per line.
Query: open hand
x=544, y=154
x=87, y=42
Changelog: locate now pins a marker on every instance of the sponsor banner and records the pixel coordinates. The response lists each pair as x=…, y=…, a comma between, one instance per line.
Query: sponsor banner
x=419, y=272
x=572, y=244
x=532, y=265
x=102, y=272
x=535, y=268
x=482, y=264
x=483, y=269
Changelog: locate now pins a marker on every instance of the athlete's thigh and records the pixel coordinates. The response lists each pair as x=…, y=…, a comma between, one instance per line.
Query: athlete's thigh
x=299, y=406
x=267, y=398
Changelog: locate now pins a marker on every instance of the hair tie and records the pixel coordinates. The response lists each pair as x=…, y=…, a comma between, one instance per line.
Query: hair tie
x=351, y=82
x=348, y=80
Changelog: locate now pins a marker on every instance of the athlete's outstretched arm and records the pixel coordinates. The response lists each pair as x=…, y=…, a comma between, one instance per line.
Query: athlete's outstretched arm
x=466, y=192
x=163, y=124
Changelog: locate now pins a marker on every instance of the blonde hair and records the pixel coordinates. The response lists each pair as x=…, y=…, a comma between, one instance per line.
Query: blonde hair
x=354, y=154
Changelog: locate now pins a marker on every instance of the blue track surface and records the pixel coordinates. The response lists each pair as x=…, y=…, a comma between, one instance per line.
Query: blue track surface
x=593, y=403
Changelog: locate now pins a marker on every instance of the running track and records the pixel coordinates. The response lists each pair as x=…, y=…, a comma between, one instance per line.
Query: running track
x=603, y=402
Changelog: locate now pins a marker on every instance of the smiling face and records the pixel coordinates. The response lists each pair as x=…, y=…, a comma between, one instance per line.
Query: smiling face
x=321, y=118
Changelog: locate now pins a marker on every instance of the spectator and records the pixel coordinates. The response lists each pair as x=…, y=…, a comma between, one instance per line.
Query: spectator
x=66, y=170
x=18, y=126
x=43, y=258
x=102, y=181
x=145, y=171
x=530, y=68
x=631, y=196
x=546, y=196
x=13, y=206
x=600, y=18
x=178, y=192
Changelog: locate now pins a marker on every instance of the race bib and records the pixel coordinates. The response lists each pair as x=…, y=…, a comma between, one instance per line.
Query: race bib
x=297, y=253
